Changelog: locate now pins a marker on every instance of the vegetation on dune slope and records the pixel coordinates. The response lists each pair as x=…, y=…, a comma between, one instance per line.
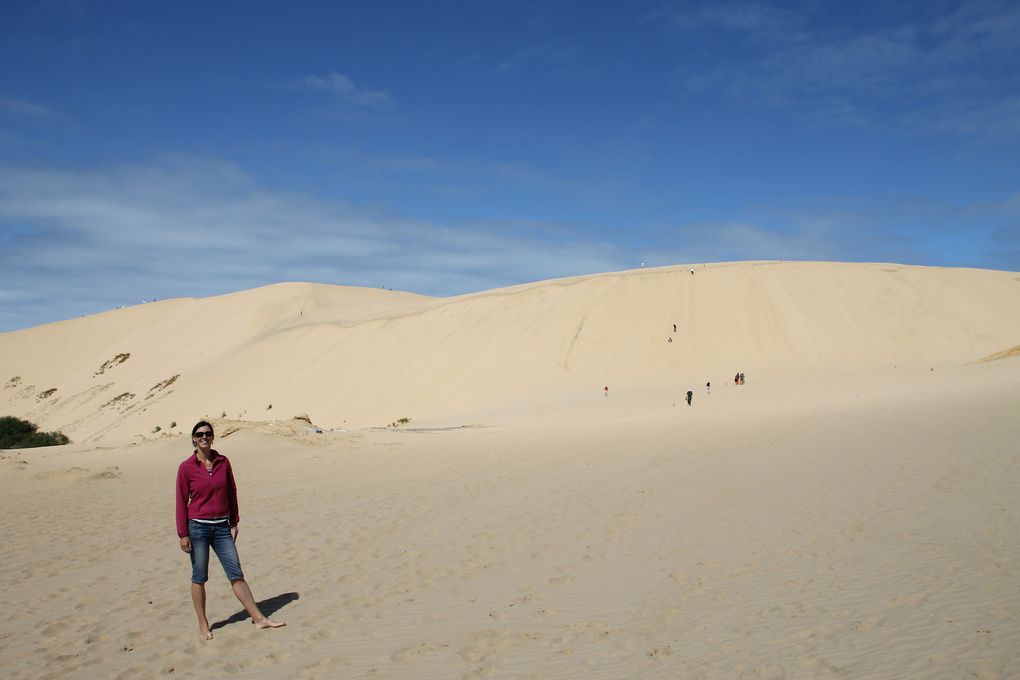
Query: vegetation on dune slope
x=16, y=433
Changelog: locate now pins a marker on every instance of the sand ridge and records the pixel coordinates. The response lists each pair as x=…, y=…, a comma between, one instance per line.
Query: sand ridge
x=356, y=358
x=1004, y=354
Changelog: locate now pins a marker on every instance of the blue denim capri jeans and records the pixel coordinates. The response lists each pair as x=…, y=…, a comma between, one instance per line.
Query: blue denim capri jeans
x=218, y=536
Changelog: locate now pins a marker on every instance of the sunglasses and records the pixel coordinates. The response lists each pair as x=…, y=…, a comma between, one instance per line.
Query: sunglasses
x=203, y=435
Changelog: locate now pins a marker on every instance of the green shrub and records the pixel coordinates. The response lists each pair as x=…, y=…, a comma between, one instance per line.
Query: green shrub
x=16, y=433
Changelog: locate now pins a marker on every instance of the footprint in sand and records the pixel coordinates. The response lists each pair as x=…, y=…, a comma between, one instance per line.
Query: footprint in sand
x=867, y=625
x=62, y=659
x=54, y=628
x=417, y=651
x=660, y=651
x=907, y=600
x=324, y=634
x=818, y=665
x=980, y=638
x=767, y=671
x=525, y=598
x=986, y=670
x=323, y=668
x=564, y=576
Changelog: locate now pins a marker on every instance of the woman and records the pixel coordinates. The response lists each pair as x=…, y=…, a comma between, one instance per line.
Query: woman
x=207, y=515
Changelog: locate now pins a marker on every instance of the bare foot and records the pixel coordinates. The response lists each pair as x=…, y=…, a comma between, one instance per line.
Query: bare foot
x=205, y=634
x=269, y=623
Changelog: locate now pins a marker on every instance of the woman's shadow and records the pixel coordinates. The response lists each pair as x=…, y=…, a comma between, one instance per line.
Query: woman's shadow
x=267, y=607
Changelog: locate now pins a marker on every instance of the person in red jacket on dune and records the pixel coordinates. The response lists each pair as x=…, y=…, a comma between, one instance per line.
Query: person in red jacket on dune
x=207, y=516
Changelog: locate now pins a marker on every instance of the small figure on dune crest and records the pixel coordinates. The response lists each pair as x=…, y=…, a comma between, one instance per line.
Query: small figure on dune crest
x=708, y=388
x=736, y=379
x=606, y=390
x=741, y=378
x=207, y=515
x=690, y=395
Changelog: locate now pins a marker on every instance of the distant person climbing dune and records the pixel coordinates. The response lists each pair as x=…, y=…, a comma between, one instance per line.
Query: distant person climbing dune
x=690, y=395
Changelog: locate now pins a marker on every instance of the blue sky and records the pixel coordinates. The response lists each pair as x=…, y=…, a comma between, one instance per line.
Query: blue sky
x=155, y=150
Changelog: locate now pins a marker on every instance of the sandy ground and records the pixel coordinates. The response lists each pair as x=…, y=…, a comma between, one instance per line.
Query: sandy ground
x=801, y=526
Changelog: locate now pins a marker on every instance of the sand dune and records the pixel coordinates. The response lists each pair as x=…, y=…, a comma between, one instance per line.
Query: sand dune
x=850, y=512
x=353, y=357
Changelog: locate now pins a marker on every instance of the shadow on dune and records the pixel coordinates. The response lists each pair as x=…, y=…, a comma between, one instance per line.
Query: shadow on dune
x=268, y=607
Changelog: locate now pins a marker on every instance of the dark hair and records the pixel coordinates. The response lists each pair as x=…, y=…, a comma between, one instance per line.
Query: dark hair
x=200, y=424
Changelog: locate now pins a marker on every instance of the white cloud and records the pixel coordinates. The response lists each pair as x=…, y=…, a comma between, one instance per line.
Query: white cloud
x=728, y=241
x=78, y=243
x=81, y=242
x=26, y=109
x=760, y=18
x=957, y=73
x=407, y=164
x=905, y=229
x=544, y=56
x=342, y=87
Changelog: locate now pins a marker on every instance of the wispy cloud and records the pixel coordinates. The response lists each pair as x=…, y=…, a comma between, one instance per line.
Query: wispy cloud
x=905, y=229
x=956, y=73
x=343, y=88
x=1004, y=246
x=26, y=109
x=82, y=242
x=549, y=57
x=809, y=239
x=1005, y=251
x=408, y=164
x=682, y=16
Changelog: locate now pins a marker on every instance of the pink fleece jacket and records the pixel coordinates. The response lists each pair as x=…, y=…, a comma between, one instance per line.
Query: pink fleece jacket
x=205, y=494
